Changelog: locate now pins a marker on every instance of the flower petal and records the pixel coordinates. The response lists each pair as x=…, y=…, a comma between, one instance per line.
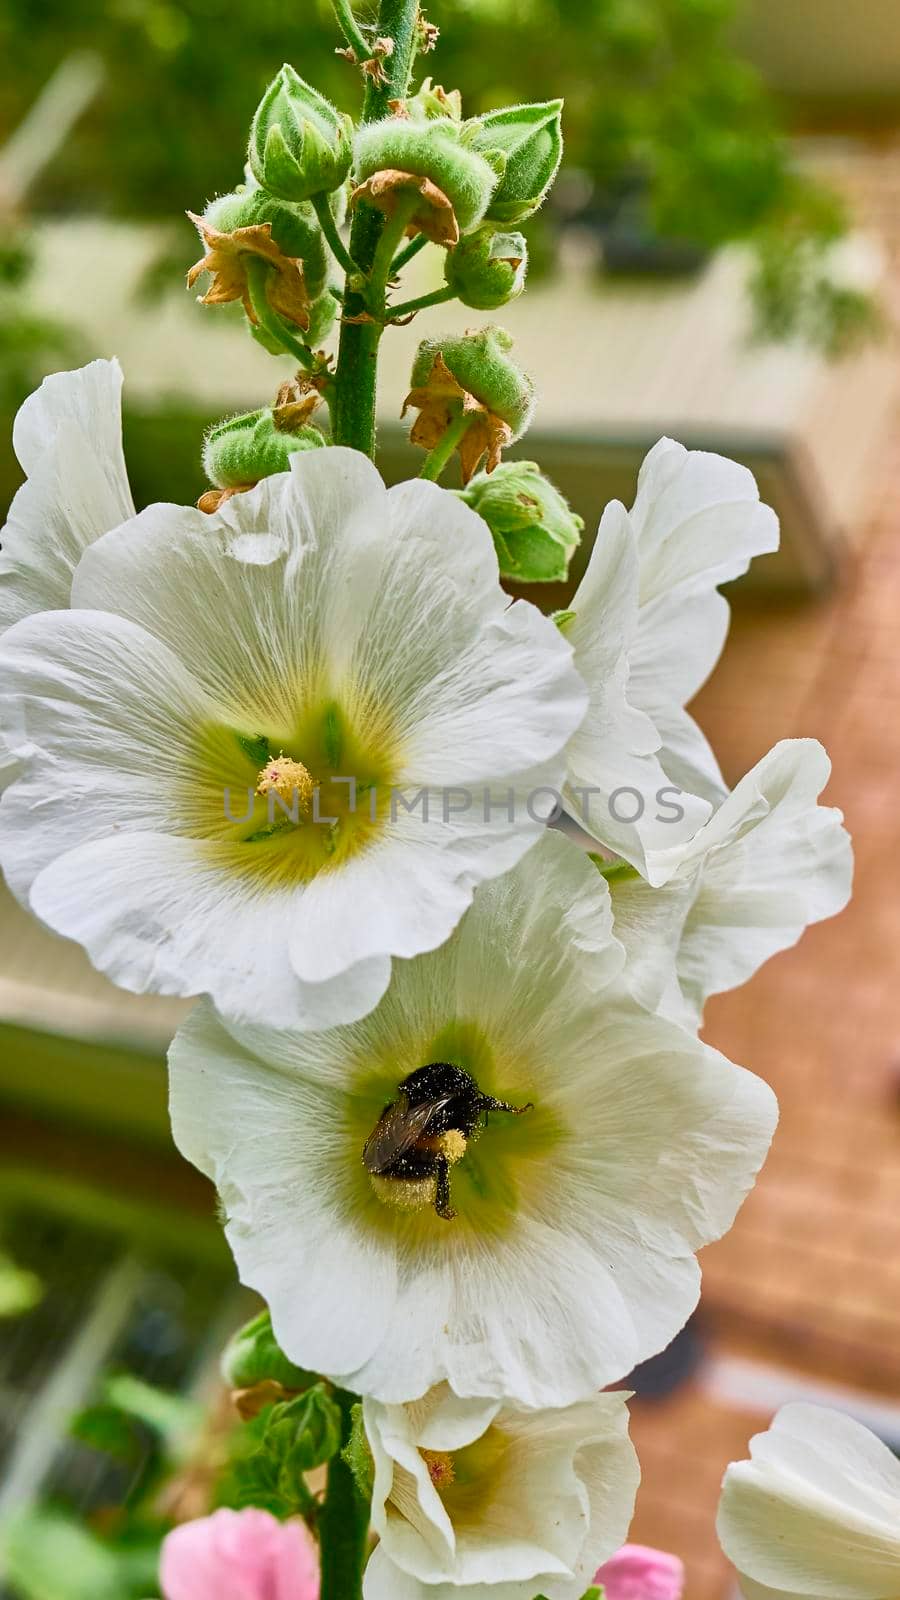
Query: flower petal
x=68, y=438
x=816, y=1511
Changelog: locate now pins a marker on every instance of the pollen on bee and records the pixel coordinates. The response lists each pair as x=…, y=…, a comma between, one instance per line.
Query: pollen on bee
x=440, y=1466
x=452, y=1144
x=285, y=777
x=410, y=1194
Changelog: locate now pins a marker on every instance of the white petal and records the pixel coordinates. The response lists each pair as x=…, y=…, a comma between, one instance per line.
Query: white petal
x=271, y=1142
x=770, y=862
x=616, y=784
x=677, y=644
x=816, y=1511
x=698, y=520
x=68, y=438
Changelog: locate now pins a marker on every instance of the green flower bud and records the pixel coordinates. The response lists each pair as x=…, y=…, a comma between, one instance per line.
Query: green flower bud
x=254, y=1356
x=481, y=365
x=487, y=268
x=530, y=137
x=304, y=1432
x=357, y=1454
x=243, y=449
x=455, y=183
x=299, y=144
x=295, y=228
x=535, y=531
x=432, y=101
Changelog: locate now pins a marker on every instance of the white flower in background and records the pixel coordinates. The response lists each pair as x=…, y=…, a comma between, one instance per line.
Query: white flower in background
x=570, y=1254
x=481, y=1500
x=768, y=863
x=68, y=440
x=317, y=629
x=647, y=626
x=815, y=1512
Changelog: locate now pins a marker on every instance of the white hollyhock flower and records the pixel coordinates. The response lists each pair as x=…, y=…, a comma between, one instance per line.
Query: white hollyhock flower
x=68, y=440
x=481, y=1500
x=815, y=1512
x=571, y=1254
x=768, y=863
x=317, y=629
x=647, y=626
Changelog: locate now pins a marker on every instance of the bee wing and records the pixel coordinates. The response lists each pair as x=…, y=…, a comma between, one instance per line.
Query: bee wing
x=397, y=1130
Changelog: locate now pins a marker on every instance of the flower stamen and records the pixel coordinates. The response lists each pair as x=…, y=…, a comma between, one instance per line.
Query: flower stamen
x=286, y=778
x=440, y=1466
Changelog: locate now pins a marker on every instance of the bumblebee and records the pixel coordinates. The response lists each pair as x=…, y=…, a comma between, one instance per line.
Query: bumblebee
x=422, y=1134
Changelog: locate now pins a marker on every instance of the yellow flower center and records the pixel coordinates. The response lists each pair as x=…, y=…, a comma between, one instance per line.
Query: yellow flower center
x=287, y=778
x=440, y=1466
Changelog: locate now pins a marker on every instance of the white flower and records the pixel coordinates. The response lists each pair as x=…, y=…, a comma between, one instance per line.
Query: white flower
x=815, y=1513
x=68, y=440
x=319, y=627
x=571, y=1256
x=768, y=863
x=481, y=1500
x=647, y=628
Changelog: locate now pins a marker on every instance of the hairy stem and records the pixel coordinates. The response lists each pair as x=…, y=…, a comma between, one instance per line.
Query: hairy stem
x=274, y=325
x=407, y=254
x=330, y=229
x=343, y=1522
x=353, y=408
x=407, y=308
x=347, y=23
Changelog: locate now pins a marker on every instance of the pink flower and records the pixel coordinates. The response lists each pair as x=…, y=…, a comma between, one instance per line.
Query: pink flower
x=239, y=1555
x=639, y=1573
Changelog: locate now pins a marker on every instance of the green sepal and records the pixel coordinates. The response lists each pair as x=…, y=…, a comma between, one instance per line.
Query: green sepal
x=295, y=228
x=304, y=1432
x=432, y=150
x=530, y=139
x=241, y=450
x=253, y=1354
x=487, y=268
x=613, y=871
x=357, y=1454
x=481, y=364
x=563, y=618
x=535, y=530
x=300, y=145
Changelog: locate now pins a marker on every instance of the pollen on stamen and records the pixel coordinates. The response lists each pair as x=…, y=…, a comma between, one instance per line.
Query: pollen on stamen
x=440, y=1466
x=285, y=777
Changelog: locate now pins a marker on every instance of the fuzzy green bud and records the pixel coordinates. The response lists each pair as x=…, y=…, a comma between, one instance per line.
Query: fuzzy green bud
x=432, y=152
x=253, y=1355
x=243, y=449
x=304, y=1432
x=295, y=228
x=487, y=268
x=300, y=145
x=535, y=531
x=530, y=138
x=481, y=365
x=357, y=1454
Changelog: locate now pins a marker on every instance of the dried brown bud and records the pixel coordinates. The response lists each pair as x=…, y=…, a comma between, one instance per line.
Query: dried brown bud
x=439, y=401
x=227, y=255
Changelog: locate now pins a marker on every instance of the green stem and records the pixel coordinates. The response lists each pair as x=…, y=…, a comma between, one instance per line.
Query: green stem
x=437, y=459
x=349, y=28
x=257, y=273
x=353, y=408
x=330, y=229
x=383, y=263
x=406, y=308
x=343, y=1522
x=406, y=255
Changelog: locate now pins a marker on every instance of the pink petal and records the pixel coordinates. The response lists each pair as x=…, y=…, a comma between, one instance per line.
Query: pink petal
x=239, y=1555
x=638, y=1573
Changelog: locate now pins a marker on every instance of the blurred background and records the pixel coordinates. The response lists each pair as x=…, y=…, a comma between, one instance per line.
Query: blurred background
x=720, y=262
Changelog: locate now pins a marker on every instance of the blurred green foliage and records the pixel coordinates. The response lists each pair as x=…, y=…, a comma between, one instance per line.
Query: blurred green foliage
x=657, y=105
